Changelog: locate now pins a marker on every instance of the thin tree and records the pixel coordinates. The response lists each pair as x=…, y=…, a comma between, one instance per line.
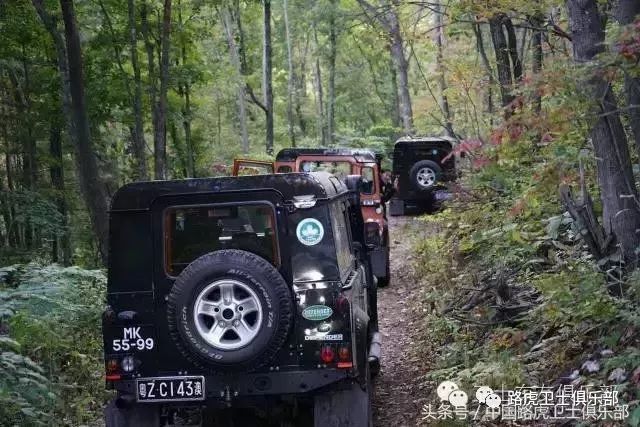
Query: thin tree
x=333, y=52
x=538, y=57
x=317, y=80
x=267, y=68
x=160, y=134
x=61, y=244
x=240, y=86
x=184, y=89
x=290, y=75
x=501, y=49
x=139, y=144
x=152, y=87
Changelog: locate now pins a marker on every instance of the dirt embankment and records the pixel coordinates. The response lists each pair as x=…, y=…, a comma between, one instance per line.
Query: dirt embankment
x=398, y=397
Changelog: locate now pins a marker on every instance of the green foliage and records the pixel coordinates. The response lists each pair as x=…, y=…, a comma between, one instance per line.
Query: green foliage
x=51, y=348
x=574, y=296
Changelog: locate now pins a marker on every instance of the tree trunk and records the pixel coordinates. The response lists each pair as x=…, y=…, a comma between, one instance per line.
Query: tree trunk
x=185, y=93
x=536, y=66
x=8, y=211
x=240, y=90
x=61, y=248
x=395, y=112
x=93, y=189
x=317, y=78
x=625, y=12
x=160, y=134
x=512, y=42
x=402, y=69
x=501, y=50
x=300, y=93
x=488, y=69
x=617, y=187
x=153, y=80
x=444, y=101
x=139, y=144
x=23, y=102
x=290, y=75
x=333, y=48
x=267, y=83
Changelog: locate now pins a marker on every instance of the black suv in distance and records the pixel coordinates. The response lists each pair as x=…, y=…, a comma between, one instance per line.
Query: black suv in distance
x=239, y=292
x=420, y=168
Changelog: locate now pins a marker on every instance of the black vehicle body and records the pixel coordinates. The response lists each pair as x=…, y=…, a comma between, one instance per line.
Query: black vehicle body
x=411, y=156
x=327, y=278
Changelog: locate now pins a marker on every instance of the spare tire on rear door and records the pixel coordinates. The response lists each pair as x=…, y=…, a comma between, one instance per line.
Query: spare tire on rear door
x=425, y=174
x=229, y=310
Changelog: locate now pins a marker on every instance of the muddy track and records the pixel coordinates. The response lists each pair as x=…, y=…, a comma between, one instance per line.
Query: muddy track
x=397, y=394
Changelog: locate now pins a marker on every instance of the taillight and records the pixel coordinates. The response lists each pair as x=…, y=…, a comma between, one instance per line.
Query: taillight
x=372, y=234
x=113, y=370
x=344, y=354
x=327, y=354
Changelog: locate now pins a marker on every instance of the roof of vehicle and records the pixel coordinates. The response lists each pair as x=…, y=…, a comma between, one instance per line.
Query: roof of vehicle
x=140, y=195
x=291, y=154
x=408, y=140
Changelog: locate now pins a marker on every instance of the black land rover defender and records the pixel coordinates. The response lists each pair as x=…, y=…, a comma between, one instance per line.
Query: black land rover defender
x=420, y=169
x=247, y=292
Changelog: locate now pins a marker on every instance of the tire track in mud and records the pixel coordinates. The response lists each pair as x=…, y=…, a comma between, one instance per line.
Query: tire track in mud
x=398, y=397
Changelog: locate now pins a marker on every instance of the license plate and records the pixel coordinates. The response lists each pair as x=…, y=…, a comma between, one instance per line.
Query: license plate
x=163, y=389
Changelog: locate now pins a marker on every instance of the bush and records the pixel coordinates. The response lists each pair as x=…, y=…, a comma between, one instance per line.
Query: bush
x=50, y=345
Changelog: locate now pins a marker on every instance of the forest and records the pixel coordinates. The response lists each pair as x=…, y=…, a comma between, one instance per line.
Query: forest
x=537, y=253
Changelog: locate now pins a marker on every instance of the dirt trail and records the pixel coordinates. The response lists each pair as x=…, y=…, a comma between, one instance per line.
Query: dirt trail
x=398, y=397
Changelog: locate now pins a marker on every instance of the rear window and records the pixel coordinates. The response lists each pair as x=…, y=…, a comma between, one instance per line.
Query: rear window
x=193, y=231
x=339, y=169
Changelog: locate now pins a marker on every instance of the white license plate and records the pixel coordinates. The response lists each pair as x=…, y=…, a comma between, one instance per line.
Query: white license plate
x=164, y=389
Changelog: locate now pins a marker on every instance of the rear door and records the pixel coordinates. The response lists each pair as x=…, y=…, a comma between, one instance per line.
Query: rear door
x=187, y=226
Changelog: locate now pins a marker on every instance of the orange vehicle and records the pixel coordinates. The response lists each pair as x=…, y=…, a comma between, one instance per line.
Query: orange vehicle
x=341, y=162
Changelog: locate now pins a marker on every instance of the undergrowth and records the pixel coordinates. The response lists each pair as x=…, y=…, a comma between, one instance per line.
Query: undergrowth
x=513, y=297
x=50, y=345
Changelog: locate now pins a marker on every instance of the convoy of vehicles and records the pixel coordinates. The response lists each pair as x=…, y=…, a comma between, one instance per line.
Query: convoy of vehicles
x=243, y=292
x=259, y=290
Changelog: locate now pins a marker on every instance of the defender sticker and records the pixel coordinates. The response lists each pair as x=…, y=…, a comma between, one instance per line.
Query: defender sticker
x=310, y=231
x=331, y=337
x=317, y=312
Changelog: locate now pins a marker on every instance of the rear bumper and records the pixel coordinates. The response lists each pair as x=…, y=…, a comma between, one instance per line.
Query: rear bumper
x=225, y=387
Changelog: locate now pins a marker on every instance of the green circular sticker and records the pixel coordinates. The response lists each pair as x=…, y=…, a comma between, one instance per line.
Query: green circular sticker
x=310, y=231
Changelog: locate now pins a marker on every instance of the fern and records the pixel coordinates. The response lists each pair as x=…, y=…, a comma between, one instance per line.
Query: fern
x=50, y=344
